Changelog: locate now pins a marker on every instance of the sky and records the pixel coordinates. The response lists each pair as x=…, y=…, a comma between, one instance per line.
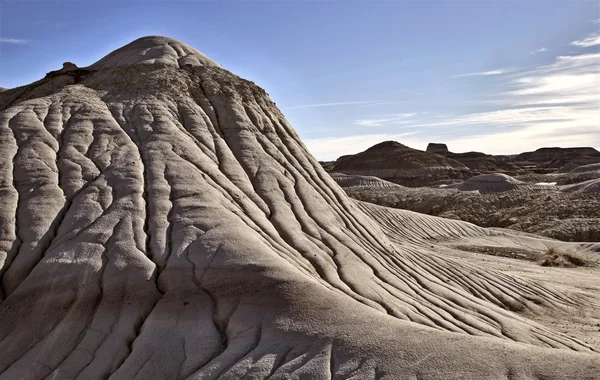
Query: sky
x=501, y=77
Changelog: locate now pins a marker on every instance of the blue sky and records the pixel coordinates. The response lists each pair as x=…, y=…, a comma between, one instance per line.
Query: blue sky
x=495, y=76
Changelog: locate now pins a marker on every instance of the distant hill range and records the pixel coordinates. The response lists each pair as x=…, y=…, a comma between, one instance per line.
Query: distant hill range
x=398, y=163
x=558, y=157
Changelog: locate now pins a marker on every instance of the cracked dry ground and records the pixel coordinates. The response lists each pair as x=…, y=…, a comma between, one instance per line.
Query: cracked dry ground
x=166, y=223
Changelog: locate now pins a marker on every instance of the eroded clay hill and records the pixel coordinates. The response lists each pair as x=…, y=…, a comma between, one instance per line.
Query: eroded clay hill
x=160, y=219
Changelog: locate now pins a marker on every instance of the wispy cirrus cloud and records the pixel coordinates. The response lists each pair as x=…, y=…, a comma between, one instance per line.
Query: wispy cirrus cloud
x=334, y=104
x=398, y=118
x=569, y=80
x=537, y=51
x=591, y=40
x=18, y=41
x=483, y=73
x=548, y=99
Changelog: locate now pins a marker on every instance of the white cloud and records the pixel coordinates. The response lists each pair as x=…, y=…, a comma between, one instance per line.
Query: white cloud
x=370, y=102
x=569, y=80
x=540, y=50
x=591, y=40
x=482, y=73
x=549, y=100
x=399, y=118
x=505, y=117
x=13, y=41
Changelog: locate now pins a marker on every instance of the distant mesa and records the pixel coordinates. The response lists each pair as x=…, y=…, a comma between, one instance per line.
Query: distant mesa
x=437, y=148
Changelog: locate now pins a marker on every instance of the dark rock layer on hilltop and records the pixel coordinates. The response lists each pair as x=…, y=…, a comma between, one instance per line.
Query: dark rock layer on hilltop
x=437, y=148
x=400, y=164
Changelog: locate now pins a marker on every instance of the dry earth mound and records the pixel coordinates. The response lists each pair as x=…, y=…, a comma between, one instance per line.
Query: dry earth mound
x=494, y=183
x=163, y=220
x=400, y=164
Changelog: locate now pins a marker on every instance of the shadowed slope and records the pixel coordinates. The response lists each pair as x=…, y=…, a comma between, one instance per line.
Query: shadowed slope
x=166, y=222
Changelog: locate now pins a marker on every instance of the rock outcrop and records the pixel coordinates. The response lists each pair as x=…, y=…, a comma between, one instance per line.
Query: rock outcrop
x=437, y=148
x=400, y=164
x=160, y=219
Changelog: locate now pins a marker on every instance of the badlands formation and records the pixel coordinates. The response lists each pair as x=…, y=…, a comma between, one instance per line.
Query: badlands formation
x=160, y=219
x=400, y=164
x=436, y=165
x=550, y=195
